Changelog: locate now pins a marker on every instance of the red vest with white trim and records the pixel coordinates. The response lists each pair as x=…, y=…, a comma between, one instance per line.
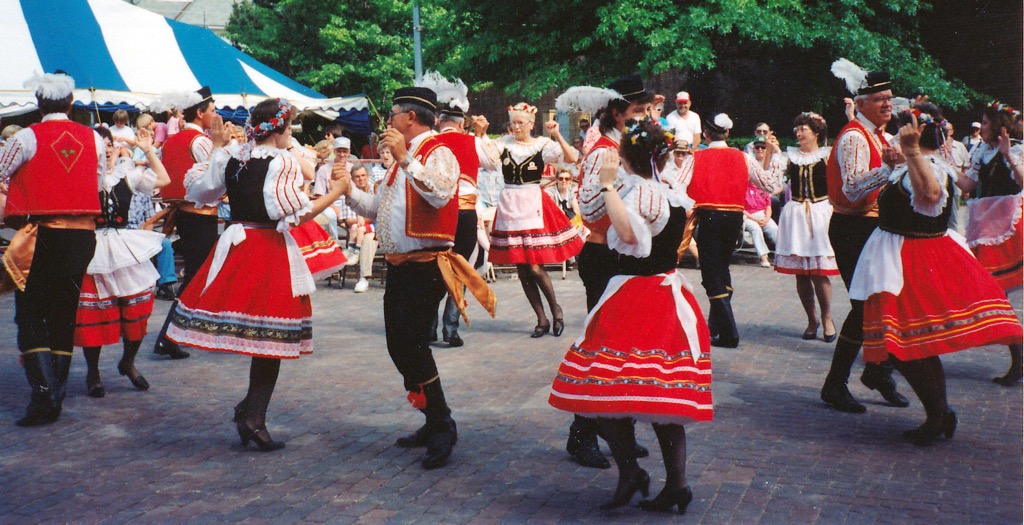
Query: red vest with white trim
x=61, y=177
x=719, y=179
x=464, y=147
x=867, y=205
x=601, y=225
x=423, y=221
x=178, y=159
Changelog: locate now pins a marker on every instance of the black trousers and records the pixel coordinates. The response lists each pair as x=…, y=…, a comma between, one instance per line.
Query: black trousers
x=411, y=296
x=717, y=232
x=465, y=235
x=597, y=265
x=45, y=312
x=198, y=235
x=848, y=235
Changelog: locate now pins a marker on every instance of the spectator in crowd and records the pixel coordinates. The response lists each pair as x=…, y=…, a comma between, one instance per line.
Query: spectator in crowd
x=974, y=139
x=176, y=122
x=673, y=172
x=378, y=170
x=657, y=109
x=124, y=136
x=685, y=123
x=365, y=248
x=584, y=126
x=956, y=151
x=762, y=129
x=336, y=214
x=757, y=211
x=144, y=121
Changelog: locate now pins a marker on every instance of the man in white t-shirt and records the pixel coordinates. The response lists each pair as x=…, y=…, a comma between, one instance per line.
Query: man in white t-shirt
x=686, y=123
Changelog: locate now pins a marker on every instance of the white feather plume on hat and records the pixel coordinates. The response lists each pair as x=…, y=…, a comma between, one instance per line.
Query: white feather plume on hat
x=723, y=121
x=850, y=73
x=585, y=99
x=454, y=94
x=51, y=86
x=176, y=100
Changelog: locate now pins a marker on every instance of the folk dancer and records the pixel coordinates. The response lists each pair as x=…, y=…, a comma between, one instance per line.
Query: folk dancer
x=859, y=151
x=62, y=223
x=416, y=214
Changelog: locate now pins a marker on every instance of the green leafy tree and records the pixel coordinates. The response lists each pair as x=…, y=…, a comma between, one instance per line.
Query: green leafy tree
x=530, y=46
x=338, y=48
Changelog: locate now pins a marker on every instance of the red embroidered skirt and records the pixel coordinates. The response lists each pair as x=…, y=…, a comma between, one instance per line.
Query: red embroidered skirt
x=1005, y=261
x=105, y=320
x=634, y=358
x=249, y=308
x=321, y=252
x=556, y=242
x=948, y=303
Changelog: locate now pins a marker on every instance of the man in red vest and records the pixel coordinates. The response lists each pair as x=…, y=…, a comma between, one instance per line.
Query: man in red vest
x=415, y=211
x=861, y=149
x=718, y=187
x=53, y=170
x=450, y=132
x=196, y=225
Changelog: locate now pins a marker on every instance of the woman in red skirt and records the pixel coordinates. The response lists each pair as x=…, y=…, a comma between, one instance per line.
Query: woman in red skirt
x=994, y=230
x=645, y=349
x=117, y=291
x=251, y=297
x=529, y=229
x=913, y=311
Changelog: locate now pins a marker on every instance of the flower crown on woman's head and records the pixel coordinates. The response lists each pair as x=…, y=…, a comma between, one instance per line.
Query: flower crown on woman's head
x=813, y=116
x=640, y=133
x=523, y=107
x=264, y=129
x=1005, y=108
x=922, y=116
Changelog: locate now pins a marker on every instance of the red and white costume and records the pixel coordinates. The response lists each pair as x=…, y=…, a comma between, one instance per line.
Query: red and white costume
x=529, y=228
x=251, y=296
x=994, y=229
x=659, y=369
x=913, y=309
x=117, y=291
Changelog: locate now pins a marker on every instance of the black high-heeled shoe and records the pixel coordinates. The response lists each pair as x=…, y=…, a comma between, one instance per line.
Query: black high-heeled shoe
x=540, y=330
x=138, y=381
x=929, y=434
x=625, y=490
x=557, y=327
x=1011, y=378
x=95, y=388
x=240, y=412
x=667, y=499
x=260, y=435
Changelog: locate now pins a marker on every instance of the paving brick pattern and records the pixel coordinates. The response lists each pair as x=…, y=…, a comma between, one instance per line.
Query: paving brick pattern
x=774, y=454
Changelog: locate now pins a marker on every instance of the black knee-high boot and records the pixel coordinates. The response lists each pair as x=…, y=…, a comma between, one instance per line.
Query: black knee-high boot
x=61, y=369
x=582, y=444
x=41, y=410
x=442, y=433
x=726, y=334
x=165, y=346
x=1015, y=373
x=928, y=380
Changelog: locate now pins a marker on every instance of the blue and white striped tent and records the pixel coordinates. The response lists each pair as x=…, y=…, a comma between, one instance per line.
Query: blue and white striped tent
x=120, y=54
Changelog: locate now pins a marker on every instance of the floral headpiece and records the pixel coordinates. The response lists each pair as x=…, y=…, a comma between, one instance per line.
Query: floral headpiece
x=523, y=107
x=658, y=144
x=264, y=129
x=922, y=117
x=813, y=116
x=1005, y=108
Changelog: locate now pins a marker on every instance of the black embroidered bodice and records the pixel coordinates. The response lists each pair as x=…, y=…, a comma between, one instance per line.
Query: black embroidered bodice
x=896, y=214
x=115, y=205
x=663, y=248
x=808, y=183
x=995, y=179
x=245, y=190
x=527, y=172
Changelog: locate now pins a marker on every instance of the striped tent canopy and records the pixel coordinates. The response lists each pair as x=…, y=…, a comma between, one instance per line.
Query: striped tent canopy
x=122, y=55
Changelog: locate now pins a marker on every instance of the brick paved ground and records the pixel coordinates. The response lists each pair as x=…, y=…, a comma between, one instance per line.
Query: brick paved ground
x=773, y=455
